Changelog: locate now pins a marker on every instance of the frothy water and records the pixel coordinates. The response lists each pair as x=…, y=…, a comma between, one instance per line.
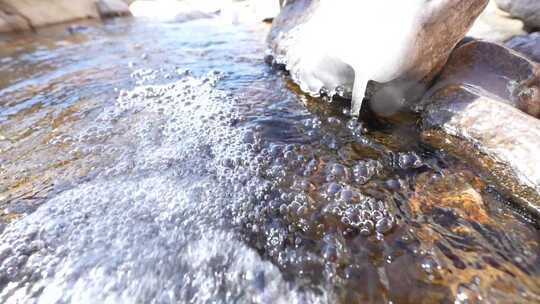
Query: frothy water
x=206, y=177
x=154, y=224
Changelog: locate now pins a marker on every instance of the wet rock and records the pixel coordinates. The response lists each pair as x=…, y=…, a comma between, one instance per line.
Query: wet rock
x=528, y=45
x=112, y=8
x=481, y=109
x=349, y=44
x=495, y=25
x=526, y=10
x=494, y=137
x=493, y=71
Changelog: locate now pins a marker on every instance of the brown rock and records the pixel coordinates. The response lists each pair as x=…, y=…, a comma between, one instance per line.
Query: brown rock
x=500, y=73
x=491, y=135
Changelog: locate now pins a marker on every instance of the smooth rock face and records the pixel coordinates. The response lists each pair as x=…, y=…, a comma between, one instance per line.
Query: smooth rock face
x=498, y=139
x=496, y=71
x=330, y=44
x=526, y=10
x=112, y=8
x=528, y=45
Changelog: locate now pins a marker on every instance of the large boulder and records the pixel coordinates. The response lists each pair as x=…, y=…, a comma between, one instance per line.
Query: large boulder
x=526, y=10
x=398, y=47
x=480, y=110
x=529, y=45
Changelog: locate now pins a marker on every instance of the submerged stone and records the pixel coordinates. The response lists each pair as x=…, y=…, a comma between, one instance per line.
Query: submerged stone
x=348, y=44
x=453, y=193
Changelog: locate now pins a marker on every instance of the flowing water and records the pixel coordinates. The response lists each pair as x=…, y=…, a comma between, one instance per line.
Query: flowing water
x=147, y=162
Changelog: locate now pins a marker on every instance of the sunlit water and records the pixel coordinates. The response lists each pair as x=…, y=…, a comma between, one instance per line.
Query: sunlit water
x=166, y=162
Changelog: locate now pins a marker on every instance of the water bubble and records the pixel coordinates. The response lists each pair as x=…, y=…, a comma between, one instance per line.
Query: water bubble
x=339, y=171
x=363, y=172
x=347, y=195
x=334, y=121
x=283, y=209
x=333, y=189
x=376, y=214
x=330, y=253
x=409, y=160
x=383, y=225
x=249, y=137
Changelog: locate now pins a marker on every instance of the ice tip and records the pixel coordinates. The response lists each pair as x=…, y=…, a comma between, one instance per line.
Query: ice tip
x=358, y=94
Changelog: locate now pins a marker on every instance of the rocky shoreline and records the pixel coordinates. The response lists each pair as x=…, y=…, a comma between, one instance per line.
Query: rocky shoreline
x=483, y=106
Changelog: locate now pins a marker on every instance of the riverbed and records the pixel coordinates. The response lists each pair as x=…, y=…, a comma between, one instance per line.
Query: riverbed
x=165, y=162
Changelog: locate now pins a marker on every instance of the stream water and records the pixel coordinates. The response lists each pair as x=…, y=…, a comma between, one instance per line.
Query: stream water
x=146, y=162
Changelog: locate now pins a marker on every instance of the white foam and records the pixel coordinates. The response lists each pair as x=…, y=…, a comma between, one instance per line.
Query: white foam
x=155, y=226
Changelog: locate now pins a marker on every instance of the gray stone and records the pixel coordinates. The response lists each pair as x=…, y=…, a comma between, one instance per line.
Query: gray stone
x=529, y=45
x=526, y=10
